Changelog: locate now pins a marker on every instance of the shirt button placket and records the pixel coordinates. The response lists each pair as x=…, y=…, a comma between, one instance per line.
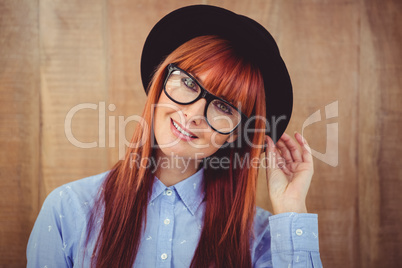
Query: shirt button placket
x=165, y=229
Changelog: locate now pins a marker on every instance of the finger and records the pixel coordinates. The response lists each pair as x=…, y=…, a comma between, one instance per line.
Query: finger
x=282, y=166
x=270, y=147
x=284, y=151
x=306, y=154
x=276, y=174
x=292, y=146
x=272, y=155
x=280, y=162
x=276, y=158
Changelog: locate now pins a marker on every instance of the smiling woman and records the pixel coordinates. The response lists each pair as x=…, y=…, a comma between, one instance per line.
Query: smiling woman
x=195, y=110
x=207, y=88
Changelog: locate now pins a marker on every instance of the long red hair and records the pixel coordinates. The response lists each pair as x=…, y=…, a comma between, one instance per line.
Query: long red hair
x=229, y=192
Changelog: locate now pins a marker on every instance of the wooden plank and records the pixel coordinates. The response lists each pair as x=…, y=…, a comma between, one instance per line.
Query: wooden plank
x=73, y=72
x=380, y=129
x=19, y=128
x=90, y=52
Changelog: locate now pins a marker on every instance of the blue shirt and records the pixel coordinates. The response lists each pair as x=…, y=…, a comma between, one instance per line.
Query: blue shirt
x=174, y=222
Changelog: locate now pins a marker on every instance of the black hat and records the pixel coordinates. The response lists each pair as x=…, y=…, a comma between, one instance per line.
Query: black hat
x=247, y=36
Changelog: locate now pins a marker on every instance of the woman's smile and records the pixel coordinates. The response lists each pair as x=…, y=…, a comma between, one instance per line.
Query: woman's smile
x=181, y=132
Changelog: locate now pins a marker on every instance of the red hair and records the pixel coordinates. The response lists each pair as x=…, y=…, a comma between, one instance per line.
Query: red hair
x=229, y=193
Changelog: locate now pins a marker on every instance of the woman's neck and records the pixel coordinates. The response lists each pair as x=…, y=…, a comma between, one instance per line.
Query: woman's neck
x=171, y=170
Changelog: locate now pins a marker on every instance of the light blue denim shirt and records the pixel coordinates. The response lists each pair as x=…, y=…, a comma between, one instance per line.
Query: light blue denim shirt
x=174, y=223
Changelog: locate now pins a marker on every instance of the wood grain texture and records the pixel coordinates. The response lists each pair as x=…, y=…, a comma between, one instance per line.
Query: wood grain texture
x=73, y=72
x=19, y=128
x=380, y=130
x=88, y=53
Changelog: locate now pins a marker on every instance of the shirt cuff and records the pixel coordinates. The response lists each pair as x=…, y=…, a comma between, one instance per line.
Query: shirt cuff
x=294, y=232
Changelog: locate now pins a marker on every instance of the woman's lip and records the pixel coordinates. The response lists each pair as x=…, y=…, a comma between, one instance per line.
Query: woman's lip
x=179, y=134
x=185, y=129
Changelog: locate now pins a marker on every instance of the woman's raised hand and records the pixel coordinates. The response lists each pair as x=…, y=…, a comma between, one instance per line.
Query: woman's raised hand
x=289, y=172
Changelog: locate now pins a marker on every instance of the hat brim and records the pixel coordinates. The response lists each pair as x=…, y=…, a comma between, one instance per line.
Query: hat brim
x=247, y=35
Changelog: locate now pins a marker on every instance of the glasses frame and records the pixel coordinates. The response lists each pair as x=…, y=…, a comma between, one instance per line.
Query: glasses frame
x=209, y=97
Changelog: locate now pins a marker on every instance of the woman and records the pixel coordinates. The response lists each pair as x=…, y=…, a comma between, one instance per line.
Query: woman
x=185, y=193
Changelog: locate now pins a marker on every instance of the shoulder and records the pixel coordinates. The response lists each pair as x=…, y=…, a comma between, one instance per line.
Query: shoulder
x=59, y=228
x=83, y=188
x=75, y=196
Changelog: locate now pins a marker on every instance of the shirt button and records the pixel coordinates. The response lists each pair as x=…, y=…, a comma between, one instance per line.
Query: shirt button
x=164, y=256
x=169, y=192
x=166, y=221
x=299, y=232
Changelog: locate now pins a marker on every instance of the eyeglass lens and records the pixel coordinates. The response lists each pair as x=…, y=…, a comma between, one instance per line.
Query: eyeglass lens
x=182, y=88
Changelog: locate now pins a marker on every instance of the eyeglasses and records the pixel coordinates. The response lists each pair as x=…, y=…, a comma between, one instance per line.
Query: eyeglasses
x=184, y=89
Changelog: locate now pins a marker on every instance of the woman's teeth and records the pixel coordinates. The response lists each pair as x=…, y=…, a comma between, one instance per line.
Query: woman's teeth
x=181, y=130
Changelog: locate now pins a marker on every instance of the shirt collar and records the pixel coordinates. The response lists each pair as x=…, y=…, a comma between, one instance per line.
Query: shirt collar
x=157, y=188
x=190, y=190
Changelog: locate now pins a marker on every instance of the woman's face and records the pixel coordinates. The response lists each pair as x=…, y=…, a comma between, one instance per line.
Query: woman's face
x=181, y=130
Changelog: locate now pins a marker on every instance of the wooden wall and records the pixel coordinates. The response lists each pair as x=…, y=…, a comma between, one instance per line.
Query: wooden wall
x=57, y=54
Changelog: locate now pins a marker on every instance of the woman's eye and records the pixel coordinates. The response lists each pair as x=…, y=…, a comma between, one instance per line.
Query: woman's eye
x=189, y=83
x=224, y=107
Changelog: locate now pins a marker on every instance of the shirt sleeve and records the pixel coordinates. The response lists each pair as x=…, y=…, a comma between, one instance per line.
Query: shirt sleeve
x=289, y=240
x=49, y=244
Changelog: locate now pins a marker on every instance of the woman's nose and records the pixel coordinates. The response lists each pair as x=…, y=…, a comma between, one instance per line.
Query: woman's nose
x=194, y=112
